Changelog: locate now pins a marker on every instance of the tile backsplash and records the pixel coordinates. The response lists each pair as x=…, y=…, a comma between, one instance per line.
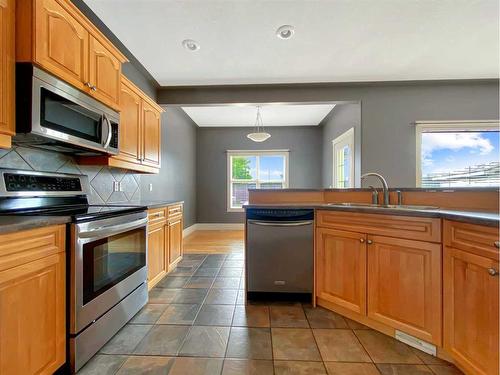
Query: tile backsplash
x=101, y=178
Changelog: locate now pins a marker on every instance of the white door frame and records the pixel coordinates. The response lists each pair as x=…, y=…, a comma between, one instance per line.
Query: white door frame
x=346, y=138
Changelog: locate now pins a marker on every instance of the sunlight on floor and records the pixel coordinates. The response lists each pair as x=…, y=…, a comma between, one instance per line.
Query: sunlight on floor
x=214, y=241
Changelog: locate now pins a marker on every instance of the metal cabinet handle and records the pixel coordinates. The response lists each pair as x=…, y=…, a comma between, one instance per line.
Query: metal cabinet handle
x=88, y=84
x=362, y=240
x=93, y=88
x=369, y=242
x=497, y=244
x=492, y=272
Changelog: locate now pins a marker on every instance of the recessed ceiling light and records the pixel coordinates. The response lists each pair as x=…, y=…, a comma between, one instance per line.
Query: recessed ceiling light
x=191, y=45
x=285, y=32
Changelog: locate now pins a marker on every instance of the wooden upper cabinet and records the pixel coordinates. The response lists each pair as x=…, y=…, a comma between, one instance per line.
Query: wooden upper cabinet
x=151, y=124
x=130, y=123
x=32, y=301
x=55, y=35
x=61, y=42
x=404, y=286
x=471, y=290
x=341, y=268
x=105, y=73
x=7, y=72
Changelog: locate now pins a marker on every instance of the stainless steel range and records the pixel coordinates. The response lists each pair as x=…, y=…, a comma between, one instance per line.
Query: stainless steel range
x=106, y=254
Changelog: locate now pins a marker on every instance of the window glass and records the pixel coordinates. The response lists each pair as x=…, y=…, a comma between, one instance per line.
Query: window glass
x=460, y=158
x=256, y=170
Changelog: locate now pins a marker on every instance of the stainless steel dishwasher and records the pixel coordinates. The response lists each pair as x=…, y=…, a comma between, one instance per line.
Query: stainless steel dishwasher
x=279, y=251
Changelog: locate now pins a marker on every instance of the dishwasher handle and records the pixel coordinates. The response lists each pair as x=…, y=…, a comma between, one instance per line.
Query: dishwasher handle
x=281, y=223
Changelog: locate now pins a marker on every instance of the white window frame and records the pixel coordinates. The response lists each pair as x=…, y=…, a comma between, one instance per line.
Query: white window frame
x=258, y=153
x=346, y=138
x=448, y=126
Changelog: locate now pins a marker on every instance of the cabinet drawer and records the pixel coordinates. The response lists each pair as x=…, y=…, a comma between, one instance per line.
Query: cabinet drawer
x=157, y=215
x=18, y=248
x=415, y=228
x=174, y=210
x=478, y=239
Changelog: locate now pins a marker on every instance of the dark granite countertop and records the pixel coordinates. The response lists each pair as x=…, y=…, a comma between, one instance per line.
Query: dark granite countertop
x=474, y=217
x=153, y=203
x=19, y=223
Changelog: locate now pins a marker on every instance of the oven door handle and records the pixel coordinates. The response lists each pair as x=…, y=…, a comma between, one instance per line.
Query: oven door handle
x=112, y=229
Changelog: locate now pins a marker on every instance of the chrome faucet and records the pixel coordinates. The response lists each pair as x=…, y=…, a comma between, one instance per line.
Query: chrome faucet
x=374, y=194
x=385, y=187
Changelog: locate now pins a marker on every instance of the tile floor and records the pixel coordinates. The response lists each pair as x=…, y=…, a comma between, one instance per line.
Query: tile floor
x=197, y=322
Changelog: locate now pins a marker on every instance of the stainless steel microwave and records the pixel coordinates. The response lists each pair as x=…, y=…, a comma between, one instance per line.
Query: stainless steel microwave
x=53, y=115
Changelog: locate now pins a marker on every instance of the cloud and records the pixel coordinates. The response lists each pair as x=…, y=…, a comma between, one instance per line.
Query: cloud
x=455, y=142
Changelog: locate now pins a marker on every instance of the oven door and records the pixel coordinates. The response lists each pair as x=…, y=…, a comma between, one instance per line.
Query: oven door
x=108, y=262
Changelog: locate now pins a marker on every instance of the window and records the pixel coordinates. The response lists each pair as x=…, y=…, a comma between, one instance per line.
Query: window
x=458, y=154
x=254, y=170
x=343, y=160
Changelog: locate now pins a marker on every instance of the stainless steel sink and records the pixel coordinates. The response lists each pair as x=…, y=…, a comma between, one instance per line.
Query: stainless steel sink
x=379, y=206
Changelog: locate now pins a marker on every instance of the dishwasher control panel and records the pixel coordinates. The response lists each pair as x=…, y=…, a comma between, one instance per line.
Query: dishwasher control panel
x=280, y=214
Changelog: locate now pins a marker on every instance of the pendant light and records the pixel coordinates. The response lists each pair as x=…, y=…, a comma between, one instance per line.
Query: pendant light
x=259, y=135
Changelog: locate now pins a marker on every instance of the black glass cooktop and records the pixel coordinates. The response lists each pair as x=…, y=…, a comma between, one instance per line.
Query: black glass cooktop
x=78, y=210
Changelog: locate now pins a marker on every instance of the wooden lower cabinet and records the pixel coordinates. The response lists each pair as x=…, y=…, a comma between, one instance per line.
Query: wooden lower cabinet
x=164, y=241
x=404, y=286
x=471, y=302
x=157, y=253
x=341, y=268
x=33, y=301
x=175, y=228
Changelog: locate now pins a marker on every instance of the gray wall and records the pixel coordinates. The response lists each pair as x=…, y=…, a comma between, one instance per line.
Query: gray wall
x=303, y=142
x=177, y=177
x=342, y=118
x=387, y=112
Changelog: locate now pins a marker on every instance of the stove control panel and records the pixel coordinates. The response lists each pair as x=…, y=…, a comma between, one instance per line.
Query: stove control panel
x=16, y=182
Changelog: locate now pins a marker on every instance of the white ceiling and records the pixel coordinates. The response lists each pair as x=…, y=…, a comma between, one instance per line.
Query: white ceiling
x=272, y=115
x=334, y=41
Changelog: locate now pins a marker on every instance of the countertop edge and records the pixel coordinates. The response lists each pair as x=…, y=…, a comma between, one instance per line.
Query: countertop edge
x=11, y=223
x=473, y=217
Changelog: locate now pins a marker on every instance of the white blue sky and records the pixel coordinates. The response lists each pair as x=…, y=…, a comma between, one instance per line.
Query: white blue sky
x=445, y=152
x=271, y=167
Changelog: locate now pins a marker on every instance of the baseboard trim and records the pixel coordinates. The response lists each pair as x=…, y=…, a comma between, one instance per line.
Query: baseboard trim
x=187, y=231
x=212, y=226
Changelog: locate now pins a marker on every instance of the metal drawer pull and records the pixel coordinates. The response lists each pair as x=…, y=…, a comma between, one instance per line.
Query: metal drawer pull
x=497, y=244
x=492, y=272
x=362, y=240
x=369, y=242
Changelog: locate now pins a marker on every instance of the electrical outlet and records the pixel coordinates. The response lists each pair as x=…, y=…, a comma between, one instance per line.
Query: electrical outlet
x=116, y=186
x=150, y=187
x=120, y=187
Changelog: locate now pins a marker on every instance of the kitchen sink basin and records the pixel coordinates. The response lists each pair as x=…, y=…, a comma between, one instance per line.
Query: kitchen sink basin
x=389, y=206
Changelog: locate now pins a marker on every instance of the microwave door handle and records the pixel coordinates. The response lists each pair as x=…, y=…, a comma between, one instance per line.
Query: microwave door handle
x=108, y=133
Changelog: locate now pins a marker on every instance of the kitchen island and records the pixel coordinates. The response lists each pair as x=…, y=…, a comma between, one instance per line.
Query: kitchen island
x=425, y=272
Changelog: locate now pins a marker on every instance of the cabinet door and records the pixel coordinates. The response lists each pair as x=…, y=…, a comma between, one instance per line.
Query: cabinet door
x=105, y=74
x=157, y=266
x=61, y=43
x=151, y=128
x=32, y=317
x=7, y=72
x=471, y=311
x=341, y=268
x=175, y=241
x=130, y=124
x=404, y=286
